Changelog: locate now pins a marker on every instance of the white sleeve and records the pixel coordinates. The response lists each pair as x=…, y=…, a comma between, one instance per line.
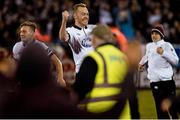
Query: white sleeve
x=92, y=26
x=69, y=32
x=16, y=51
x=170, y=54
x=144, y=59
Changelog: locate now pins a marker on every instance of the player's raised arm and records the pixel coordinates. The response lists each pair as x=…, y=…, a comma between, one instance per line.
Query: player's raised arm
x=63, y=35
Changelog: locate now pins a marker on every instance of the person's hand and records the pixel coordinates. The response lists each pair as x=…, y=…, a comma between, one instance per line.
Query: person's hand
x=165, y=105
x=62, y=82
x=141, y=68
x=160, y=50
x=65, y=15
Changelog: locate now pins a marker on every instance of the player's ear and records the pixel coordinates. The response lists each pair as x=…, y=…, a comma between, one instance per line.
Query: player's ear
x=74, y=15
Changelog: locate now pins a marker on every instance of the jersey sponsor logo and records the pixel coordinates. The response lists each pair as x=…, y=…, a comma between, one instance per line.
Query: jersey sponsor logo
x=86, y=42
x=76, y=44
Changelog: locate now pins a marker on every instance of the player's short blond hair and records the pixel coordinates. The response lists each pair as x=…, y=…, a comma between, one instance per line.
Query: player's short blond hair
x=76, y=6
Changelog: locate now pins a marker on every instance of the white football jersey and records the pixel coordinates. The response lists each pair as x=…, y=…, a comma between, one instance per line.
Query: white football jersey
x=80, y=43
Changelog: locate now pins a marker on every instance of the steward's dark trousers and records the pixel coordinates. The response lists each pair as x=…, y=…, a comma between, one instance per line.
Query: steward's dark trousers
x=162, y=90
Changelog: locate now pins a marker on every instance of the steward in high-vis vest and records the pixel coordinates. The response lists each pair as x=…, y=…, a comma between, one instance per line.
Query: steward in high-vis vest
x=101, y=75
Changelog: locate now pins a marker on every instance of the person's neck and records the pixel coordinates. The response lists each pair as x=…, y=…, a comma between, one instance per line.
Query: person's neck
x=27, y=42
x=79, y=25
x=156, y=41
x=99, y=43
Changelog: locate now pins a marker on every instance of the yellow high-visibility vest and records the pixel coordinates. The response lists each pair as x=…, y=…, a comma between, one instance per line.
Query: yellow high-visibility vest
x=112, y=69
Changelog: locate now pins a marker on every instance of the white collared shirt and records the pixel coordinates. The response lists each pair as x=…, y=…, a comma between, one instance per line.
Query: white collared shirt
x=160, y=66
x=80, y=43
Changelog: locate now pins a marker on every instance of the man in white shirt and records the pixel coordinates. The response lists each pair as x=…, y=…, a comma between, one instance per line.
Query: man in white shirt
x=77, y=36
x=160, y=56
x=27, y=36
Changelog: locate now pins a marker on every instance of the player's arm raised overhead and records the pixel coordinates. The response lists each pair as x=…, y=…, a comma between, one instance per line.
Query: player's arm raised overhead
x=63, y=35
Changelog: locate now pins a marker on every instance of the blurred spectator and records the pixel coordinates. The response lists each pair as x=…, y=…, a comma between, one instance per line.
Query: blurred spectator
x=8, y=67
x=133, y=53
x=123, y=19
x=121, y=39
x=93, y=87
x=46, y=14
x=169, y=104
x=105, y=16
x=7, y=82
x=39, y=36
x=38, y=95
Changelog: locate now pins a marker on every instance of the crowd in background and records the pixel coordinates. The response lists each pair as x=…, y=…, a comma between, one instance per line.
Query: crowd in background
x=133, y=17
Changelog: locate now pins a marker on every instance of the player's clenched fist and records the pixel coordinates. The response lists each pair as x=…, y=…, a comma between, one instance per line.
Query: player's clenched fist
x=141, y=68
x=160, y=50
x=65, y=15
